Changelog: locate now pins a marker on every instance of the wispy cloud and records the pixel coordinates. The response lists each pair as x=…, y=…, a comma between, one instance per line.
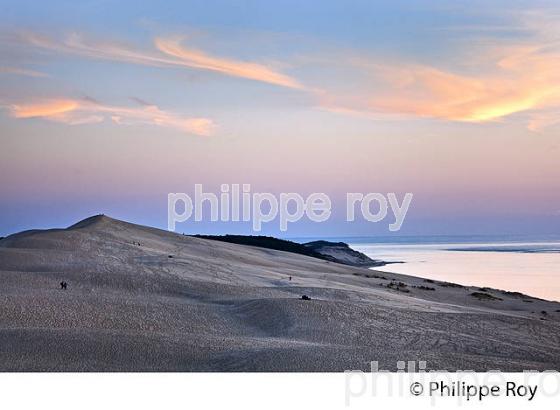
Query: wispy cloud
x=522, y=79
x=498, y=78
x=169, y=52
x=86, y=111
x=542, y=119
x=200, y=60
x=486, y=80
x=21, y=71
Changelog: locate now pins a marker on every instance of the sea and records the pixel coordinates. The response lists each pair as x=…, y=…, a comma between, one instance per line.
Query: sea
x=522, y=263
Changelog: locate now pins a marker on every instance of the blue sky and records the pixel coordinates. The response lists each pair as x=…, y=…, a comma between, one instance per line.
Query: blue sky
x=107, y=106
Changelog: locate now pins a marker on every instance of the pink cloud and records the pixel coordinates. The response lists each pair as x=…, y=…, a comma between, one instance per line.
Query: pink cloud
x=86, y=111
x=168, y=53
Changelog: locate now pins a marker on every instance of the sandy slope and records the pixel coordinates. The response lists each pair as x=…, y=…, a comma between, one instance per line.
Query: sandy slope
x=216, y=306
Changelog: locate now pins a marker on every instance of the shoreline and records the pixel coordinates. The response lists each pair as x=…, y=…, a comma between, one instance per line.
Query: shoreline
x=511, y=271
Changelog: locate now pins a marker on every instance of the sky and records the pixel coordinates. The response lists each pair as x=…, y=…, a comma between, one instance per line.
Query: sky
x=106, y=107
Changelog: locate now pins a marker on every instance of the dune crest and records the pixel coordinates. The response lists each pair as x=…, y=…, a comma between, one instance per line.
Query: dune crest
x=144, y=299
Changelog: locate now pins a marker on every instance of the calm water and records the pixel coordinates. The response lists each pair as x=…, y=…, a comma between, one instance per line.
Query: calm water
x=529, y=267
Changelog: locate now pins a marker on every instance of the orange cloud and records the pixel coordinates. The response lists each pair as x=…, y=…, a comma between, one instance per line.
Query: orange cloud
x=197, y=59
x=524, y=79
x=496, y=78
x=74, y=112
x=492, y=83
x=53, y=108
x=170, y=54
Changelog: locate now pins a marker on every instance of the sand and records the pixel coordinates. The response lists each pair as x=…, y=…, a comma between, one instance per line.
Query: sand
x=214, y=306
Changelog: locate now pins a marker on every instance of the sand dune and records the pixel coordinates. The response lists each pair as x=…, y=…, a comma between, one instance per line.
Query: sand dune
x=143, y=299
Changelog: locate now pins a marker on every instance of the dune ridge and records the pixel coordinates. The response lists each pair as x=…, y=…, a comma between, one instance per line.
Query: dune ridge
x=143, y=299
